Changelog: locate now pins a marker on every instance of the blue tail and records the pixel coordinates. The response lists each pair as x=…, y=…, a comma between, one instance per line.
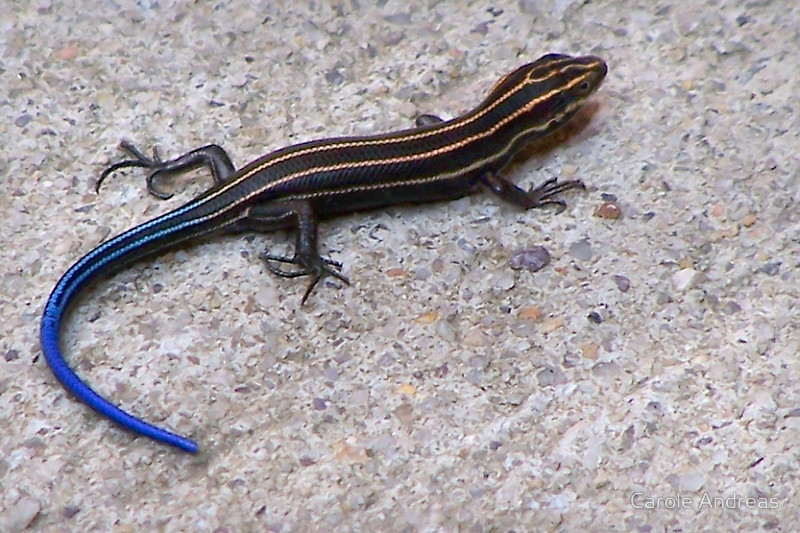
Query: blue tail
x=122, y=249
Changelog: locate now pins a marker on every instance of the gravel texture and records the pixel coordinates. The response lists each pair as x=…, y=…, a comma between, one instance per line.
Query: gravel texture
x=647, y=379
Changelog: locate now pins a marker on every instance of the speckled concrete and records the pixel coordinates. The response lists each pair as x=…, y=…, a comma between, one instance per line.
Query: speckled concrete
x=647, y=379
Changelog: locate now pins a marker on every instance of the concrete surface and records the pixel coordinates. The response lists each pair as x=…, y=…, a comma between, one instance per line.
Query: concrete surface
x=648, y=379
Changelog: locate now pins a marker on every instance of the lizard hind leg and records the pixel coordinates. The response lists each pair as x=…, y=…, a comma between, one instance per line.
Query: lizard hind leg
x=306, y=257
x=211, y=155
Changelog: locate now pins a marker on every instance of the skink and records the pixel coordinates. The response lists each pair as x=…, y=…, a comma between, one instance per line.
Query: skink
x=296, y=186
